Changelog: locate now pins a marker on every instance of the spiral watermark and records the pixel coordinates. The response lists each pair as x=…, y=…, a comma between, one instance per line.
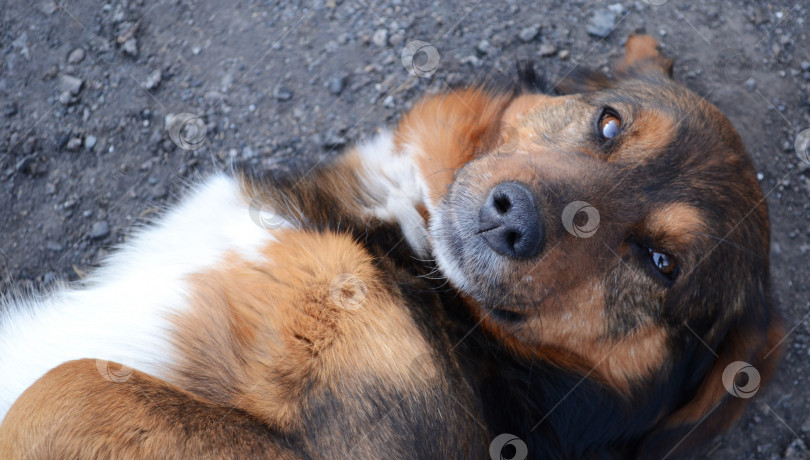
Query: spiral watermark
x=420, y=59
x=736, y=64
x=423, y=368
x=348, y=291
x=509, y=139
x=186, y=130
x=572, y=217
x=507, y=446
x=122, y=374
x=264, y=216
x=802, y=145
x=733, y=376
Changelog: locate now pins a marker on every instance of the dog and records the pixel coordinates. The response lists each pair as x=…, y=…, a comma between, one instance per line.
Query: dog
x=507, y=273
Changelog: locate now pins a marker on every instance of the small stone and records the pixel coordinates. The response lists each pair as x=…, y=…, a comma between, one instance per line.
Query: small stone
x=48, y=278
x=483, y=46
x=131, y=47
x=564, y=54
x=99, y=230
x=90, y=142
x=196, y=50
x=48, y=7
x=213, y=97
x=805, y=65
x=751, y=84
x=796, y=450
x=159, y=192
x=69, y=84
x=24, y=164
x=282, y=93
x=76, y=56
x=335, y=84
x=74, y=144
x=21, y=43
x=528, y=34
x=153, y=80
x=53, y=246
x=601, y=23
x=760, y=176
x=547, y=49
x=380, y=38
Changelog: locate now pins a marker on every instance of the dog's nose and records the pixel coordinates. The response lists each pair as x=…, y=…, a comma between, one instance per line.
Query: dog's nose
x=510, y=222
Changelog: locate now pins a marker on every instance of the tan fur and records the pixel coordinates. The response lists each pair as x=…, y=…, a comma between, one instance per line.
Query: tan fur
x=447, y=131
x=287, y=338
x=73, y=412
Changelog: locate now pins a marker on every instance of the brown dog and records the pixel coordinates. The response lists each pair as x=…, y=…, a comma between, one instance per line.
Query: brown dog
x=612, y=243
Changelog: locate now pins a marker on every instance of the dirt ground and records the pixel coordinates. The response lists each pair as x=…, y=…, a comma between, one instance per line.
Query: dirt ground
x=87, y=90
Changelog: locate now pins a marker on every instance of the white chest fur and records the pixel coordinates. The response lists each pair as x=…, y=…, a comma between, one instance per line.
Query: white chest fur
x=122, y=312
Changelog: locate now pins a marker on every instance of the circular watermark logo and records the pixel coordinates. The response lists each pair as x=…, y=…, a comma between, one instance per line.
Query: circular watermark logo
x=187, y=131
x=420, y=59
x=348, y=291
x=802, y=145
x=121, y=374
x=264, y=216
x=736, y=64
x=573, y=215
x=509, y=139
x=507, y=446
x=423, y=368
x=741, y=379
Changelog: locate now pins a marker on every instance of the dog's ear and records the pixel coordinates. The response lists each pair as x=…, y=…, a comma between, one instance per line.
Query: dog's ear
x=583, y=80
x=642, y=57
x=746, y=359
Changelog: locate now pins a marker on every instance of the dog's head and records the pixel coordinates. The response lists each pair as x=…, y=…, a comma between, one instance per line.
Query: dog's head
x=617, y=229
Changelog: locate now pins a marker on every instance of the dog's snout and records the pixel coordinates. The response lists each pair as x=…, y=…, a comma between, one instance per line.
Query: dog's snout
x=510, y=222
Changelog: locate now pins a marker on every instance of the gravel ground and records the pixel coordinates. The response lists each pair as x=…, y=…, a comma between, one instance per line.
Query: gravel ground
x=87, y=90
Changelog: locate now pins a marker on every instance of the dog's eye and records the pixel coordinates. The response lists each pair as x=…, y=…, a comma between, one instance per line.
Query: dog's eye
x=609, y=125
x=665, y=263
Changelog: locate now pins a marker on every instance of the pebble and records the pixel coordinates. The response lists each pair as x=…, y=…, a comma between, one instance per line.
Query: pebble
x=90, y=142
x=76, y=56
x=282, y=93
x=131, y=47
x=74, y=144
x=483, y=46
x=805, y=65
x=528, y=34
x=564, y=54
x=797, y=450
x=21, y=43
x=53, y=246
x=335, y=84
x=153, y=80
x=69, y=84
x=547, y=49
x=100, y=229
x=601, y=23
x=751, y=84
x=380, y=38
